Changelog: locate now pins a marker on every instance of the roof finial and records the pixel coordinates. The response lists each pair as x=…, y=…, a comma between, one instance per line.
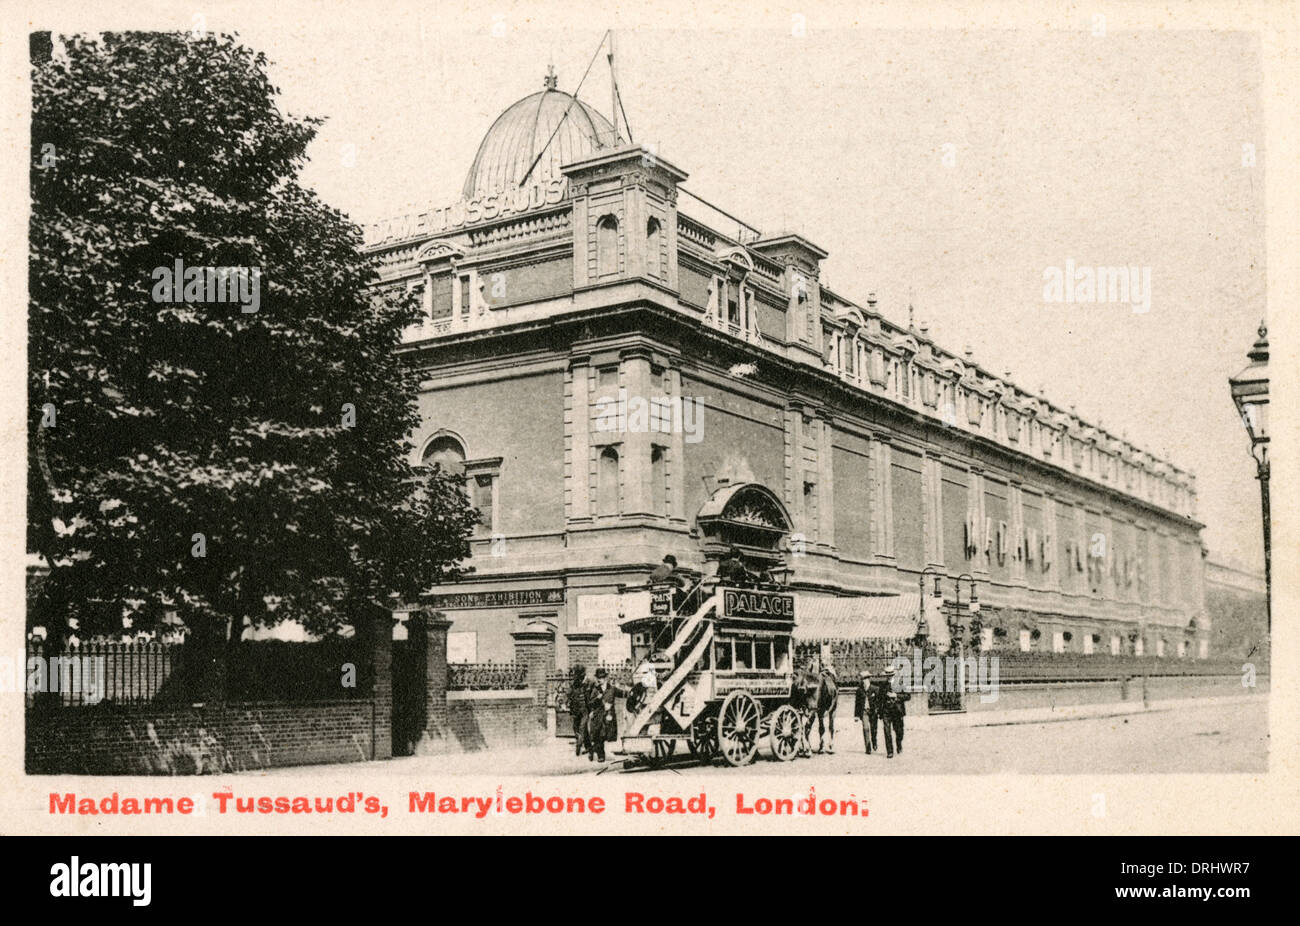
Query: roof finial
x=551, y=82
x=1259, y=352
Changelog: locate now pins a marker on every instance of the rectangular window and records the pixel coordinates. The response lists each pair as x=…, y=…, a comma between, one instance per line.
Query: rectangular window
x=1087, y=644
x=722, y=655
x=1138, y=646
x=1058, y=641
x=781, y=655
x=744, y=654
x=1025, y=641
x=441, y=296
x=464, y=295
x=1114, y=645
x=762, y=654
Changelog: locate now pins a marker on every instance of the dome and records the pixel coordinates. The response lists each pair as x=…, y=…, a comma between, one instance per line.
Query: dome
x=523, y=130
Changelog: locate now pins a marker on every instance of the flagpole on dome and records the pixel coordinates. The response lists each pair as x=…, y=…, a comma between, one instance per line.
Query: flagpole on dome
x=613, y=89
x=616, y=99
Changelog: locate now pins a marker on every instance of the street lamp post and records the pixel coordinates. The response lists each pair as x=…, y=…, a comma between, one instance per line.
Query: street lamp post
x=922, y=628
x=1250, y=395
x=974, y=605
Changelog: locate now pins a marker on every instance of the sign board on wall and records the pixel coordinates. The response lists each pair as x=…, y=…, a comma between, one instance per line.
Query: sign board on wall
x=462, y=646
x=600, y=614
x=509, y=598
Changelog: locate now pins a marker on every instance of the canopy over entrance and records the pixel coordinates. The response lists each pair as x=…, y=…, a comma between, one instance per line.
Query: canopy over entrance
x=747, y=516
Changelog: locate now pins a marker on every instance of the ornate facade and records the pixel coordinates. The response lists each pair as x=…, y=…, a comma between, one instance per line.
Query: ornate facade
x=582, y=294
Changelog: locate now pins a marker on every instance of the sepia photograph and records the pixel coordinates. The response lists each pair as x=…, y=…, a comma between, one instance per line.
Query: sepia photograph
x=522, y=413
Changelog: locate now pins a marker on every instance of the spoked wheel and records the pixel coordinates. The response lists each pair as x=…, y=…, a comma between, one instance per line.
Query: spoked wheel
x=704, y=739
x=738, y=727
x=785, y=732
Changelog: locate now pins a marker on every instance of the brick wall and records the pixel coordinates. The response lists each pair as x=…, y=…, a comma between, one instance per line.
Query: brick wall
x=159, y=738
x=478, y=720
x=107, y=739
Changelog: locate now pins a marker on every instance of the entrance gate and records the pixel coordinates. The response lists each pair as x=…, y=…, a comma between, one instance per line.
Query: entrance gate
x=408, y=668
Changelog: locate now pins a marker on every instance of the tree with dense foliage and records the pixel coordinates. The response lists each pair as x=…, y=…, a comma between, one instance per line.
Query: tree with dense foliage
x=194, y=458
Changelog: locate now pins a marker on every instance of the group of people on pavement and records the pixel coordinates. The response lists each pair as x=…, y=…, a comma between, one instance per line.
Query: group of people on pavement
x=591, y=706
x=877, y=700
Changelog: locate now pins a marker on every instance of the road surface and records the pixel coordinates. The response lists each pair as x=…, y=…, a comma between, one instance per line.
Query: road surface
x=1204, y=736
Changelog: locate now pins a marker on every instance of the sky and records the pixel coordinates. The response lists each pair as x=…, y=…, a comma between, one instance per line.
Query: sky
x=942, y=168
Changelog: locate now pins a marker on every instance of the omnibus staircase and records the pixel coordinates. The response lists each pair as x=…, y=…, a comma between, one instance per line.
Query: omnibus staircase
x=697, y=634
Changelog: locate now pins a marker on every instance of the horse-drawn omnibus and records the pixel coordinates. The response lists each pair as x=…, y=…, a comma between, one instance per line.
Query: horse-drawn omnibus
x=716, y=662
x=715, y=674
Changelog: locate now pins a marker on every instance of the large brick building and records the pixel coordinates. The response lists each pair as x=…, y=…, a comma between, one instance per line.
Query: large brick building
x=603, y=364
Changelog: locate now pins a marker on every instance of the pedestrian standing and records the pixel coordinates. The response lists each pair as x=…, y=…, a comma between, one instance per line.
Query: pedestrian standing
x=894, y=702
x=578, y=708
x=602, y=727
x=866, y=707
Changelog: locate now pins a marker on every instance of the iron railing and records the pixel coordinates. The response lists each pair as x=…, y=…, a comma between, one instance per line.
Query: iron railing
x=93, y=671
x=486, y=676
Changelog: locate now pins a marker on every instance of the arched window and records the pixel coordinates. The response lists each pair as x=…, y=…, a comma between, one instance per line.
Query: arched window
x=652, y=248
x=447, y=452
x=658, y=482
x=607, y=246
x=607, y=483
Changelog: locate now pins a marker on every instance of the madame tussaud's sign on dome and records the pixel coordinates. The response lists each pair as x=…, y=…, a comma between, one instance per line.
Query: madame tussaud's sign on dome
x=502, y=204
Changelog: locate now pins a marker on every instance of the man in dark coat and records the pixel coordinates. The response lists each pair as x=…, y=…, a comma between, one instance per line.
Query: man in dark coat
x=893, y=710
x=866, y=707
x=602, y=727
x=578, y=685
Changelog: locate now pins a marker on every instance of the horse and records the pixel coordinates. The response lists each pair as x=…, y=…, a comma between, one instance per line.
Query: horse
x=815, y=694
